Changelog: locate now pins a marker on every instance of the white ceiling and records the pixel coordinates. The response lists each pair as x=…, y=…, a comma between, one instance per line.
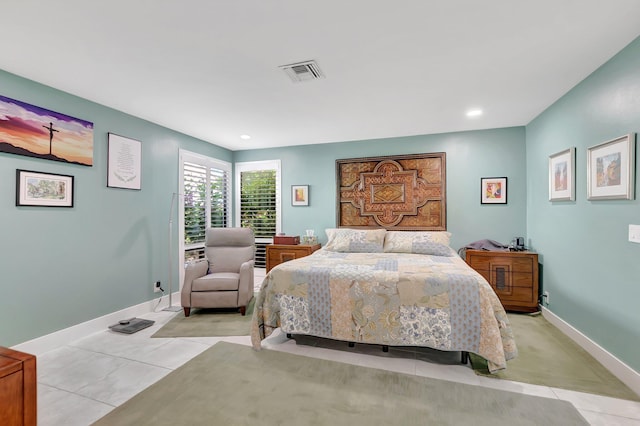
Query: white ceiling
x=393, y=68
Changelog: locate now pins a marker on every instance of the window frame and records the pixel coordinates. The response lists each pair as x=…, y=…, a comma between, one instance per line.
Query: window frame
x=209, y=163
x=251, y=166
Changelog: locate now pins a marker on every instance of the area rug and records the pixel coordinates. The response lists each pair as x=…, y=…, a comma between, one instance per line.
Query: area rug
x=231, y=384
x=547, y=357
x=209, y=323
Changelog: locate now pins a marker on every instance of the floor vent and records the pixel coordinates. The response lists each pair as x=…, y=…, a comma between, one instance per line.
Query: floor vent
x=303, y=71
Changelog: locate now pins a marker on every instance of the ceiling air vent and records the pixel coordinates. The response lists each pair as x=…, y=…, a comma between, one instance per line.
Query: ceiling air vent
x=303, y=71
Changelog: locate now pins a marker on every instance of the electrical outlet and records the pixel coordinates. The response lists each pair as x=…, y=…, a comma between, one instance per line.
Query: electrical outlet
x=634, y=233
x=545, y=297
x=156, y=287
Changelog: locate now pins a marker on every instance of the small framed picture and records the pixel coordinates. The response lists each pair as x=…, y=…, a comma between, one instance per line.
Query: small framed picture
x=43, y=189
x=299, y=195
x=562, y=175
x=493, y=190
x=611, y=169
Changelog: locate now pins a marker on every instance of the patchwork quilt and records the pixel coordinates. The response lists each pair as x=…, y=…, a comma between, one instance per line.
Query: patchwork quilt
x=395, y=299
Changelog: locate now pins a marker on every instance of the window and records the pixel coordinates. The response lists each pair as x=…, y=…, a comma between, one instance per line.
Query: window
x=258, y=202
x=205, y=201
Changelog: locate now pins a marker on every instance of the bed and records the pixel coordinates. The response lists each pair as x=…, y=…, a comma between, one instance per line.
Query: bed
x=394, y=288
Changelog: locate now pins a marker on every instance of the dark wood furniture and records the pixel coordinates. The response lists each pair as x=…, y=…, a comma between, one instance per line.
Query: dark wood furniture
x=279, y=253
x=513, y=275
x=396, y=192
x=17, y=388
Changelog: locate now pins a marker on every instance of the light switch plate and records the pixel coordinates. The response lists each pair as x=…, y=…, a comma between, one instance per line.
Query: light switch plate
x=634, y=233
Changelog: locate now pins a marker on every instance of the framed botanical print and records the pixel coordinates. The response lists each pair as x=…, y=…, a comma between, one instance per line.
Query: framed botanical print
x=43, y=189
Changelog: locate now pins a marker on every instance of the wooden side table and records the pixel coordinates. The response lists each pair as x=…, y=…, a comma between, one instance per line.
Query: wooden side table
x=18, y=393
x=280, y=253
x=513, y=275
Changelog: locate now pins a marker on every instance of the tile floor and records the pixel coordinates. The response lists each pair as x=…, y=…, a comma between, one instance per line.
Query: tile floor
x=81, y=382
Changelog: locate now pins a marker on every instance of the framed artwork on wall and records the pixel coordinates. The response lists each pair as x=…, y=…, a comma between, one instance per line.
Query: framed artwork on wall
x=611, y=169
x=562, y=175
x=124, y=166
x=299, y=195
x=493, y=190
x=43, y=189
x=41, y=133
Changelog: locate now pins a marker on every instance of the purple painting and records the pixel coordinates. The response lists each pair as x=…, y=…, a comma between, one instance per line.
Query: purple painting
x=37, y=132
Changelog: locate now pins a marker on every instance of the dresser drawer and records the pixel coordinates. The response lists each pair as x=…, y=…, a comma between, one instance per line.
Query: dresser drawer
x=512, y=275
x=280, y=253
x=515, y=294
x=488, y=263
x=500, y=277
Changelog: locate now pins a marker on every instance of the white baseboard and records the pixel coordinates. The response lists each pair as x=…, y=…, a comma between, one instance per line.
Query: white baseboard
x=622, y=371
x=43, y=344
x=66, y=336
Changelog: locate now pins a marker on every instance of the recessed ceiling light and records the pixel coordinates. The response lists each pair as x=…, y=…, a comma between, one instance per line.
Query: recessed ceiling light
x=245, y=137
x=474, y=113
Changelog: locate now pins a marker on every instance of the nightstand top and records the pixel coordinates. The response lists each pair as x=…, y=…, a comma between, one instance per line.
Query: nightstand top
x=500, y=252
x=294, y=245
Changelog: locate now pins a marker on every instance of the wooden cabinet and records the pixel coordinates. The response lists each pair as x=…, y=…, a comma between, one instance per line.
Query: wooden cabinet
x=279, y=253
x=512, y=274
x=17, y=388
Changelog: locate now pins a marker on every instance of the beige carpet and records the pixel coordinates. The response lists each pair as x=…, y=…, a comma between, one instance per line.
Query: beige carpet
x=546, y=356
x=231, y=384
x=209, y=323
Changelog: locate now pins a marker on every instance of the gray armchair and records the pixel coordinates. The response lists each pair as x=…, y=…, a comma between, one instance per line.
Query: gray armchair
x=225, y=278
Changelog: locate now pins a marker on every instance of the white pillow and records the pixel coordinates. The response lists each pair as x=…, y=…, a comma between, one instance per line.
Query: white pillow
x=435, y=243
x=355, y=240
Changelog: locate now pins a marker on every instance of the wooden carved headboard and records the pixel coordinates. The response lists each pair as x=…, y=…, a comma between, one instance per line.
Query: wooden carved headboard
x=400, y=192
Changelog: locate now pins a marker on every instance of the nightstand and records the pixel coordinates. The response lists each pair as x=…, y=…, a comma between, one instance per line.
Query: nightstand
x=18, y=392
x=513, y=275
x=279, y=253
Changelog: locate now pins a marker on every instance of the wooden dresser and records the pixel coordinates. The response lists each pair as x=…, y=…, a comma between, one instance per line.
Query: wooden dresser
x=512, y=274
x=279, y=253
x=17, y=388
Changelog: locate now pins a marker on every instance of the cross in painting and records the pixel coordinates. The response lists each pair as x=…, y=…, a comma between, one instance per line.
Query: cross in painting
x=51, y=130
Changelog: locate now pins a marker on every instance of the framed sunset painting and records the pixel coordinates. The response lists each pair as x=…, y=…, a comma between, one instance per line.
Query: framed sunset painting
x=32, y=131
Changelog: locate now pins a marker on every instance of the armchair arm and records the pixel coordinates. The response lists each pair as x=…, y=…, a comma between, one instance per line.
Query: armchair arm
x=245, y=287
x=191, y=272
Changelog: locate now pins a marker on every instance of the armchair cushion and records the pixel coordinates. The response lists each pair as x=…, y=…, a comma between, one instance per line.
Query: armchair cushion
x=220, y=281
x=228, y=258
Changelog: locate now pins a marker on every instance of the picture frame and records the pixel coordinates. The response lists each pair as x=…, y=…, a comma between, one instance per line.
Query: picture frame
x=611, y=169
x=299, y=195
x=43, y=189
x=562, y=175
x=124, y=165
x=493, y=190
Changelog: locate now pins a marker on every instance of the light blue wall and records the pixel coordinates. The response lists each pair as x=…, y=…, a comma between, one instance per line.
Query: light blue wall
x=591, y=270
x=59, y=266
x=470, y=156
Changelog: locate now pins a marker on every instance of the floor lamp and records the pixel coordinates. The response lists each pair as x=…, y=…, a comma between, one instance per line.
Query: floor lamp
x=171, y=308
